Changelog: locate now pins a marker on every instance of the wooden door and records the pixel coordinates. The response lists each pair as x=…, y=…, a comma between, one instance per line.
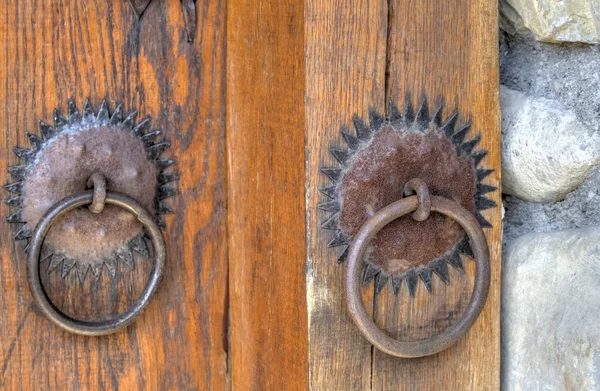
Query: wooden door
x=56, y=50
x=252, y=298
x=298, y=71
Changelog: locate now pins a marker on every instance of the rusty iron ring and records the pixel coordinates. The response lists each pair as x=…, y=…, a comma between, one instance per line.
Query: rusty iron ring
x=451, y=335
x=123, y=319
x=98, y=182
x=418, y=186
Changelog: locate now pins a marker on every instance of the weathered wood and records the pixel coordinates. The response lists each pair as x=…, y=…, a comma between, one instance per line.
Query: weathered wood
x=58, y=49
x=446, y=51
x=345, y=75
x=297, y=70
x=267, y=236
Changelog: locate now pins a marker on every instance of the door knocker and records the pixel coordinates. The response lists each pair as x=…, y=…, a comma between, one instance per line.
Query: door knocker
x=385, y=162
x=120, y=160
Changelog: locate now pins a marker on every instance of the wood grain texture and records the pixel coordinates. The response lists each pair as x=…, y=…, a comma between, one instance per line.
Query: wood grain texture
x=267, y=236
x=296, y=70
x=59, y=49
x=448, y=52
x=345, y=75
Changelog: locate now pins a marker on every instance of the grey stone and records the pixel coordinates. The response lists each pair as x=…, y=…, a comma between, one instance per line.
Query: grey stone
x=546, y=151
x=551, y=311
x=543, y=69
x=569, y=74
x=579, y=209
x=509, y=19
x=555, y=21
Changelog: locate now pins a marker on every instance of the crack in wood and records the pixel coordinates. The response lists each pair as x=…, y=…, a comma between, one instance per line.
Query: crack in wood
x=388, y=56
x=188, y=7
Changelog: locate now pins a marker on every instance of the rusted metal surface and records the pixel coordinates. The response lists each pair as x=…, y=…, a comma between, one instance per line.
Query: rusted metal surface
x=98, y=182
x=417, y=185
x=94, y=328
x=380, y=159
x=418, y=204
x=69, y=157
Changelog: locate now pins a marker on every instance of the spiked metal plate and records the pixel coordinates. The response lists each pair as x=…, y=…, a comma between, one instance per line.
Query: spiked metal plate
x=378, y=160
x=59, y=163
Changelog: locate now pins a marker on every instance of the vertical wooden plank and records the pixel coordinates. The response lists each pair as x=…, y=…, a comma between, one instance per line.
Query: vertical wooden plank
x=59, y=49
x=447, y=50
x=267, y=236
x=345, y=75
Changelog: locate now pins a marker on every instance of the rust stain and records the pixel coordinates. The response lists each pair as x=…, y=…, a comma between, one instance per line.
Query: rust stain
x=376, y=178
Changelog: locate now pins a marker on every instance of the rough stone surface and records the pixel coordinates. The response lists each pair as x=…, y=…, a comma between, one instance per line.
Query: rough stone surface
x=547, y=70
x=567, y=73
x=550, y=279
x=579, y=209
x=546, y=151
x=555, y=20
x=550, y=312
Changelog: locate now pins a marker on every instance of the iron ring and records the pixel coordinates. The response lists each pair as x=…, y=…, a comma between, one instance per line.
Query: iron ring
x=419, y=186
x=452, y=334
x=123, y=319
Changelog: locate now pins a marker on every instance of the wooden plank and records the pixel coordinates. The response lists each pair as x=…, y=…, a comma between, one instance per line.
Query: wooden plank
x=345, y=75
x=447, y=50
x=267, y=236
x=56, y=50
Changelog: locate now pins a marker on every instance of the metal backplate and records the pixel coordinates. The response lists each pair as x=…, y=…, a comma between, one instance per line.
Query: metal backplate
x=379, y=159
x=62, y=159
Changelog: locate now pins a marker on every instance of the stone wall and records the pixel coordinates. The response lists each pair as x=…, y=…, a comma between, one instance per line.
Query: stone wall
x=550, y=99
